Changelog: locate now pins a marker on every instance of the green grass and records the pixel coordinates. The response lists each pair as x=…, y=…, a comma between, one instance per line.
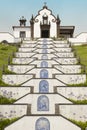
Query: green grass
x=81, y=124
x=6, y=71
x=79, y=85
x=4, y=100
x=79, y=101
x=81, y=51
x=6, y=53
x=6, y=122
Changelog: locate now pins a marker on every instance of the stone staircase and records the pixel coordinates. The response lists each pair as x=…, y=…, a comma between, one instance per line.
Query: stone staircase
x=44, y=70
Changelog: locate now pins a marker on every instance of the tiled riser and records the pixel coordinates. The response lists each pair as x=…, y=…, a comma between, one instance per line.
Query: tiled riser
x=12, y=111
x=16, y=79
x=75, y=93
x=19, y=54
x=65, y=54
x=20, y=69
x=66, y=61
x=69, y=68
x=75, y=112
x=72, y=79
x=63, y=49
x=14, y=92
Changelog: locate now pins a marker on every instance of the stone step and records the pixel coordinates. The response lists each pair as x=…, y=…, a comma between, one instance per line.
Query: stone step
x=45, y=123
x=43, y=103
x=50, y=83
x=66, y=69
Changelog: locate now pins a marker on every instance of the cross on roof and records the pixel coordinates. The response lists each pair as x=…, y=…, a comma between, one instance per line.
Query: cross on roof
x=45, y=3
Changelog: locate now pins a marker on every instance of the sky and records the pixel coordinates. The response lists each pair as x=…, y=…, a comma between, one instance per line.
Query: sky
x=71, y=12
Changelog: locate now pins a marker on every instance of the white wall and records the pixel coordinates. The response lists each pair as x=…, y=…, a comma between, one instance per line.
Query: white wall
x=7, y=36
x=22, y=60
x=53, y=29
x=21, y=54
x=17, y=30
x=79, y=39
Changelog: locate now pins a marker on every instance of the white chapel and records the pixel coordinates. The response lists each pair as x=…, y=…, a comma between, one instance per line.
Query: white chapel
x=43, y=25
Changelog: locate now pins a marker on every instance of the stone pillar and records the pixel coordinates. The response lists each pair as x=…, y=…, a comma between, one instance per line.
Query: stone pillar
x=57, y=110
x=58, y=26
x=32, y=27
x=28, y=109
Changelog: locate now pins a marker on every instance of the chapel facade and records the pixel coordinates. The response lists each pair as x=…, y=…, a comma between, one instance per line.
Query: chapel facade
x=43, y=25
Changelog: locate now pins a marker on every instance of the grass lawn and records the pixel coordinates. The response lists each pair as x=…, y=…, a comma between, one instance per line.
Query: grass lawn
x=81, y=124
x=5, y=52
x=4, y=100
x=79, y=101
x=81, y=51
x=6, y=122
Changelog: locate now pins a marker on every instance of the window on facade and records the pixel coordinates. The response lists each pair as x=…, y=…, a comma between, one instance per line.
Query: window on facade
x=44, y=73
x=45, y=20
x=42, y=124
x=43, y=103
x=22, y=34
x=43, y=86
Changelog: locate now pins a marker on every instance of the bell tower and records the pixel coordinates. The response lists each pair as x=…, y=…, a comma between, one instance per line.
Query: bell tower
x=22, y=21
